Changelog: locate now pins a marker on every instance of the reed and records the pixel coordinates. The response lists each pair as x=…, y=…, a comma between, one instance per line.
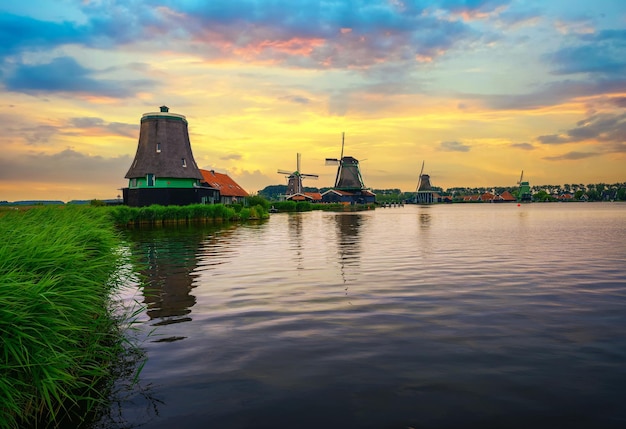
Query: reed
x=156, y=214
x=60, y=338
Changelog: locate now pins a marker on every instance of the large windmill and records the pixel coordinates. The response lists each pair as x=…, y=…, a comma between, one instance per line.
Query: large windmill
x=348, y=174
x=424, y=191
x=294, y=179
x=524, y=193
x=349, y=187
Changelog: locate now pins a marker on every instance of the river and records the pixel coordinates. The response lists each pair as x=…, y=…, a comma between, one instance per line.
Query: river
x=442, y=316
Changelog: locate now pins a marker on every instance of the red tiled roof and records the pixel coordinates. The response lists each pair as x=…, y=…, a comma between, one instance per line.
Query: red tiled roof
x=227, y=186
x=364, y=192
x=507, y=196
x=313, y=196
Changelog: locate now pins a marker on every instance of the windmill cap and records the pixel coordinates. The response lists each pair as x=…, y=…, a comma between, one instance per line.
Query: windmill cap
x=163, y=113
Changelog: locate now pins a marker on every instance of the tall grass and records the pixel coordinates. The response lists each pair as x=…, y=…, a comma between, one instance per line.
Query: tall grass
x=156, y=214
x=60, y=339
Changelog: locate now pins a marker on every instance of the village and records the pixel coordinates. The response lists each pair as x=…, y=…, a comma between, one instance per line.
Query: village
x=164, y=172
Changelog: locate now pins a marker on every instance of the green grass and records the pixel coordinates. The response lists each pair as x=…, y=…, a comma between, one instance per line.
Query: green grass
x=156, y=214
x=60, y=338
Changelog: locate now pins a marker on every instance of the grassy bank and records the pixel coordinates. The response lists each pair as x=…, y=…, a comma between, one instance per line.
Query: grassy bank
x=124, y=215
x=60, y=340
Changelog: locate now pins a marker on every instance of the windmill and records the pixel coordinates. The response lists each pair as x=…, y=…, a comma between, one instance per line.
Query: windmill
x=524, y=189
x=348, y=176
x=294, y=179
x=424, y=190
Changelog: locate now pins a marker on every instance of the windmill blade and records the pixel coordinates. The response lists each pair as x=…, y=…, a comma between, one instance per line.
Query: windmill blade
x=298, y=156
x=332, y=161
x=419, y=179
x=338, y=176
x=284, y=172
x=312, y=176
x=343, y=136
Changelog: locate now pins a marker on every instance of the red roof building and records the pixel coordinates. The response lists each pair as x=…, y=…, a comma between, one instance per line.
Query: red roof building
x=313, y=197
x=506, y=196
x=230, y=191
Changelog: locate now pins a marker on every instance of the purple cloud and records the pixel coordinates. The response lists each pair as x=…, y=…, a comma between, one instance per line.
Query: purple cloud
x=603, y=127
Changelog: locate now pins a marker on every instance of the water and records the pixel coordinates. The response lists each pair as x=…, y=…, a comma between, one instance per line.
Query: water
x=446, y=316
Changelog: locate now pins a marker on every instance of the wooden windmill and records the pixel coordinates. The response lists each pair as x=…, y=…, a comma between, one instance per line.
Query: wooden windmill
x=348, y=173
x=524, y=193
x=424, y=192
x=294, y=179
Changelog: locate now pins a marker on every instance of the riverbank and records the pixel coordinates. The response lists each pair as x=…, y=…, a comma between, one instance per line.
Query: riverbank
x=155, y=214
x=61, y=340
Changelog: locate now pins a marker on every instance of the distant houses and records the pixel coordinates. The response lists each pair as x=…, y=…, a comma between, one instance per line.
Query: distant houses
x=312, y=197
x=488, y=197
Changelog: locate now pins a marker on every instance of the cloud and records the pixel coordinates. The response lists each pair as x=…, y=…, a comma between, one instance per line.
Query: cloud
x=20, y=33
x=16, y=130
x=454, y=147
x=571, y=156
x=303, y=34
x=598, y=58
x=307, y=34
x=618, y=101
x=231, y=156
x=39, y=134
x=600, y=55
x=66, y=166
x=602, y=127
x=65, y=74
x=101, y=126
x=553, y=93
x=297, y=99
x=524, y=146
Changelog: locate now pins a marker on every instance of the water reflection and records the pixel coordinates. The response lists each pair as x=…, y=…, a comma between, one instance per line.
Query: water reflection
x=170, y=259
x=295, y=239
x=349, y=226
x=424, y=220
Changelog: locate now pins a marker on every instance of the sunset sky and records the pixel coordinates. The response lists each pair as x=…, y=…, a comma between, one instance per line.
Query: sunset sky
x=477, y=89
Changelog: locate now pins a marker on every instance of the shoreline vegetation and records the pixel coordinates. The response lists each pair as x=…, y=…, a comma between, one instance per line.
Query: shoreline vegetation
x=63, y=332
x=159, y=215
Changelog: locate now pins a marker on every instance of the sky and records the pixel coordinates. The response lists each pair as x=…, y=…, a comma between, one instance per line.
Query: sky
x=477, y=90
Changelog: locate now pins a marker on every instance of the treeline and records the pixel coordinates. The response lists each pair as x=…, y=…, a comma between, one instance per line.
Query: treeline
x=578, y=192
